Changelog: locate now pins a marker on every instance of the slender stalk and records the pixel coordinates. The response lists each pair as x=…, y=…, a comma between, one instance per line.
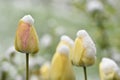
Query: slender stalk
x=85, y=72
x=27, y=66
x=3, y=75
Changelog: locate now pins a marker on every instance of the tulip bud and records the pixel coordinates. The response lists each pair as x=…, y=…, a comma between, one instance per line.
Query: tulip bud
x=109, y=70
x=65, y=40
x=61, y=68
x=84, y=51
x=26, y=39
x=44, y=71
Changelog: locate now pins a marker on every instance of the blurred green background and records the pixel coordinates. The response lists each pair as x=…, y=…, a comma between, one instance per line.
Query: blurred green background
x=54, y=18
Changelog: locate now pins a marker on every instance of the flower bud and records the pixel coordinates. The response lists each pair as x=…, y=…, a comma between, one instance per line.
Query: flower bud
x=109, y=70
x=84, y=51
x=61, y=67
x=66, y=40
x=44, y=71
x=26, y=39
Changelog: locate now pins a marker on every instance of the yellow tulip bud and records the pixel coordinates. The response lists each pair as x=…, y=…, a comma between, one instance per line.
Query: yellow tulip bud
x=44, y=71
x=66, y=40
x=84, y=50
x=26, y=39
x=109, y=70
x=61, y=67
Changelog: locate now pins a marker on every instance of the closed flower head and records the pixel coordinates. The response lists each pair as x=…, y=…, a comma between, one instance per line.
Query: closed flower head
x=44, y=71
x=66, y=40
x=26, y=39
x=61, y=68
x=84, y=51
x=109, y=70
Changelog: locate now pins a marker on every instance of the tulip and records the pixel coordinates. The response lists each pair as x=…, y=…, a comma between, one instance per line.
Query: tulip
x=109, y=70
x=61, y=68
x=26, y=39
x=84, y=50
x=44, y=71
x=66, y=40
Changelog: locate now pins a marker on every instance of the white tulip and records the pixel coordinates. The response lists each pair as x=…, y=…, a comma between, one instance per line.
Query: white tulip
x=109, y=70
x=84, y=51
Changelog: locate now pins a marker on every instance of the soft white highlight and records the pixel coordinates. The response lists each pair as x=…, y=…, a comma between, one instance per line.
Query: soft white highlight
x=88, y=43
x=34, y=77
x=47, y=64
x=94, y=5
x=28, y=19
x=46, y=40
x=37, y=60
x=67, y=39
x=11, y=51
x=60, y=30
x=63, y=50
x=108, y=65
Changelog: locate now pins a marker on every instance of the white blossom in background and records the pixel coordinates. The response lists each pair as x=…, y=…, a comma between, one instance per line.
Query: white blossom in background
x=60, y=30
x=109, y=70
x=20, y=4
x=46, y=40
x=94, y=5
x=18, y=77
x=115, y=55
x=34, y=77
x=13, y=58
x=52, y=23
x=10, y=51
x=61, y=8
x=35, y=61
x=112, y=2
x=9, y=68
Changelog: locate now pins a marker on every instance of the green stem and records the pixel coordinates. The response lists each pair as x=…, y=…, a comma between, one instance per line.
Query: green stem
x=85, y=72
x=4, y=75
x=27, y=66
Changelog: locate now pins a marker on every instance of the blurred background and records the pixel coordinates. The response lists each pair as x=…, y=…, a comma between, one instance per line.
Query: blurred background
x=54, y=18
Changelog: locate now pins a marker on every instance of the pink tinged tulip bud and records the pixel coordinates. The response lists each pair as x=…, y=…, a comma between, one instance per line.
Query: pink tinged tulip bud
x=26, y=40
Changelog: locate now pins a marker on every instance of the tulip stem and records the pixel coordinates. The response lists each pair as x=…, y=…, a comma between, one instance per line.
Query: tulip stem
x=85, y=72
x=27, y=66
